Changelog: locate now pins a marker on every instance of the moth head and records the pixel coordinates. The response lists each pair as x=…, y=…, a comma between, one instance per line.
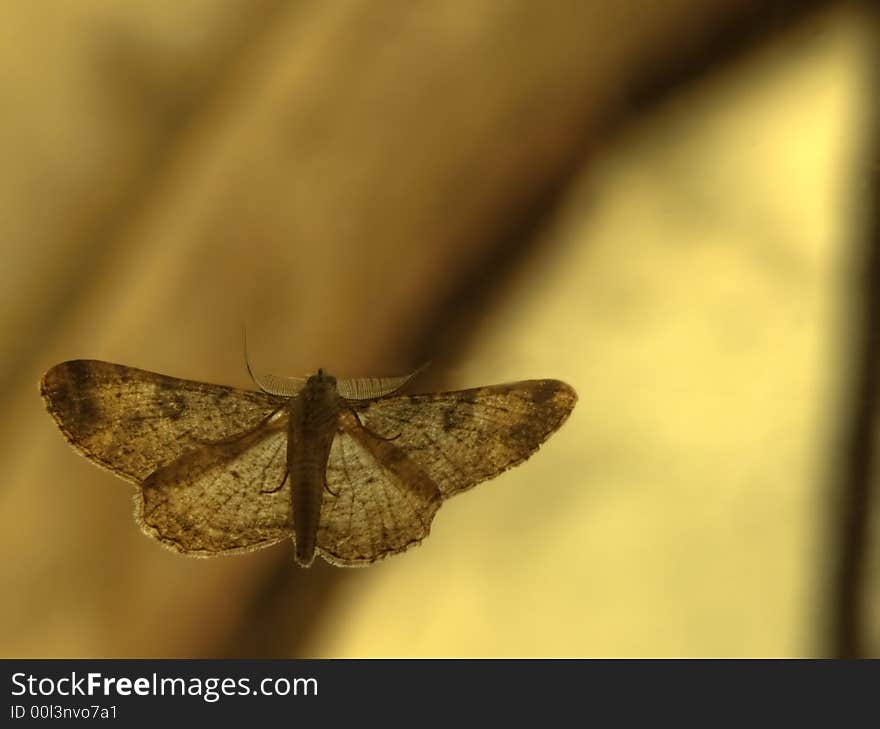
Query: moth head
x=322, y=377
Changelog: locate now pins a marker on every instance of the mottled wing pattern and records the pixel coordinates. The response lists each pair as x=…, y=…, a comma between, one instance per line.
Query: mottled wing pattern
x=212, y=460
x=132, y=421
x=377, y=502
x=222, y=498
x=462, y=438
x=393, y=464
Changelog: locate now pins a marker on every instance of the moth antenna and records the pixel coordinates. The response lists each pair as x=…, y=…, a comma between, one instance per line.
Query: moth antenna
x=247, y=363
x=271, y=385
x=369, y=388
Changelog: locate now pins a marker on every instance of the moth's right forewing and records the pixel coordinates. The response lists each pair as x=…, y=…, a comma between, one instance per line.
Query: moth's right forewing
x=132, y=421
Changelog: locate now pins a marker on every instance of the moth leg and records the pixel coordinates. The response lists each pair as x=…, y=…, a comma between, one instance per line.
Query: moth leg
x=243, y=434
x=329, y=490
x=278, y=487
x=375, y=435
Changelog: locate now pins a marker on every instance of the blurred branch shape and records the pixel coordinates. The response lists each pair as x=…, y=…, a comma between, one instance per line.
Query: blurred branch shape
x=855, y=500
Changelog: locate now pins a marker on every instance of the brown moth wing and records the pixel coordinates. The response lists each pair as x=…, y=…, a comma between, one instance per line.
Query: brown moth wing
x=390, y=474
x=463, y=438
x=132, y=421
x=212, y=460
x=222, y=498
x=377, y=502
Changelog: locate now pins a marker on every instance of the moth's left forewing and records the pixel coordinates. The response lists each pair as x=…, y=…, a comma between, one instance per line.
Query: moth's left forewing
x=394, y=459
x=464, y=437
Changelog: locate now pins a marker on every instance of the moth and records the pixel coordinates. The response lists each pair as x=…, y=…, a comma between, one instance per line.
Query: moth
x=352, y=470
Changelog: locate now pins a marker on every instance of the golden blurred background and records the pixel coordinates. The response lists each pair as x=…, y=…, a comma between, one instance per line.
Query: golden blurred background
x=663, y=204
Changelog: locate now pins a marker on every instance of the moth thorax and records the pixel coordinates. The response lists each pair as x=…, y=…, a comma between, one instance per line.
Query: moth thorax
x=319, y=401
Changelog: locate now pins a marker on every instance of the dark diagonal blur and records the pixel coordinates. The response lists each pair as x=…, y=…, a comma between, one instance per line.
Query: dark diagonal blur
x=666, y=205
